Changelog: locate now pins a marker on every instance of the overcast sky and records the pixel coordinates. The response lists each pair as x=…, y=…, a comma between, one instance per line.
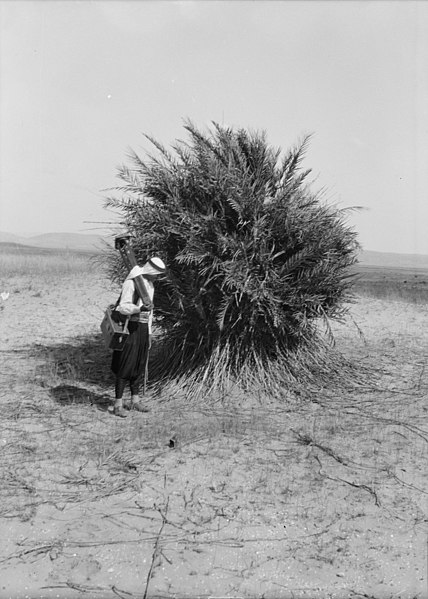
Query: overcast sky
x=81, y=82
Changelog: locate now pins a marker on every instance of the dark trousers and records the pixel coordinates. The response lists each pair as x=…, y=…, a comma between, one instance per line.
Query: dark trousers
x=130, y=364
x=134, y=385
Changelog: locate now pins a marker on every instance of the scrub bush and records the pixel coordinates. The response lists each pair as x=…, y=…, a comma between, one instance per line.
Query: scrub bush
x=256, y=260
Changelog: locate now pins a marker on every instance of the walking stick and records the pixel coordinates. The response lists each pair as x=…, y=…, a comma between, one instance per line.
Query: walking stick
x=122, y=243
x=146, y=369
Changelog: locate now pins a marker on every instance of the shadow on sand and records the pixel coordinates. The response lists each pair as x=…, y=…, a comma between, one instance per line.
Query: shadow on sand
x=72, y=395
x=75, y=372
x=78, y=371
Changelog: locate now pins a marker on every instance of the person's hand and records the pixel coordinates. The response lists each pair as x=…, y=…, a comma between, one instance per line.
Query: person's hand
x=146, y=307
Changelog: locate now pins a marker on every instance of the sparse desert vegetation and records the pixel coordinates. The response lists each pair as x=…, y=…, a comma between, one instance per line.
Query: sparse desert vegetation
x=320, y=496
x=404, y=284
x=32, y=262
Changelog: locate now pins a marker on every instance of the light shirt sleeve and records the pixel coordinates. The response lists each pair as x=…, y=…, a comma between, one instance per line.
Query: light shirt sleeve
x=126, y=305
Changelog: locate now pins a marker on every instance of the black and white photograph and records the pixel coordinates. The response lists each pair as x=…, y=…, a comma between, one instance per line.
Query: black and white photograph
x=213, y=299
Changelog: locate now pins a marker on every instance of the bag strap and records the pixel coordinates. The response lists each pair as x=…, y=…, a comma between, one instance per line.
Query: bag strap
x=136, y=295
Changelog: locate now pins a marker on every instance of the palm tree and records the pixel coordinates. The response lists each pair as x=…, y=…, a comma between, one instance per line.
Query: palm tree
x=256, y=260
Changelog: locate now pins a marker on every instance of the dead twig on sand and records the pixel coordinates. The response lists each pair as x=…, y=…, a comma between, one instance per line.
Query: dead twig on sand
x=402, y=482
x=418, y=386
x=41, y=549
x=307, y=440
x=120, y=593
x=77, y=587
x=156, y=551
x=348, y=482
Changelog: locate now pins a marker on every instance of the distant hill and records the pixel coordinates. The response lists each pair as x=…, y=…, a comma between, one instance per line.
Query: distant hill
x=70, y=241
x=10, y=238
x=91, y=242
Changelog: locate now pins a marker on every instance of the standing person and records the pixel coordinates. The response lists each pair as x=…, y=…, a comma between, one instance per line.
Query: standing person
x=130, y=364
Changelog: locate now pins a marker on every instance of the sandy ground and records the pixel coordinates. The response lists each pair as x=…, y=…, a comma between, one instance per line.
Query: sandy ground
x=326, y=498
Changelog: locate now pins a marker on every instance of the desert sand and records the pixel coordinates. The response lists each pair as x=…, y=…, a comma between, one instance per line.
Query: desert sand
x=317, y=499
